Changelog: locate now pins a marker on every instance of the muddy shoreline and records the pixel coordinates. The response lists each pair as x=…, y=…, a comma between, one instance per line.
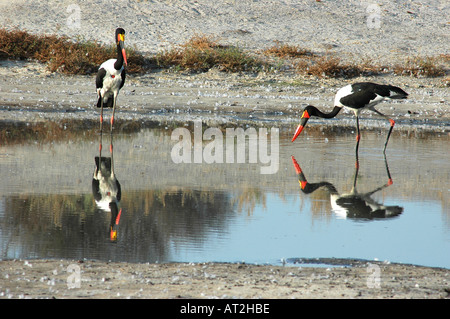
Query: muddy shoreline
x=74, y=279
x=31, y=94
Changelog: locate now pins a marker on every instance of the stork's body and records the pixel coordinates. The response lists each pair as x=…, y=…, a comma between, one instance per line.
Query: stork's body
x=357, y=96
x=111, y=78
x=106, y=188
x=354, y=205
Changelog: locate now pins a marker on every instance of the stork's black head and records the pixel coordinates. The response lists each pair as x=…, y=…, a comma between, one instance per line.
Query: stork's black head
x=120, y=37
x=121, y=32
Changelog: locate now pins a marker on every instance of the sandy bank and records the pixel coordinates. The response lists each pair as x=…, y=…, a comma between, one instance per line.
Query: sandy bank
x=93, y=279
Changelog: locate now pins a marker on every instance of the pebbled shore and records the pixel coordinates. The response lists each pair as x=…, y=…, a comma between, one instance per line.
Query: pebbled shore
x=57, y=279
x=29, y=93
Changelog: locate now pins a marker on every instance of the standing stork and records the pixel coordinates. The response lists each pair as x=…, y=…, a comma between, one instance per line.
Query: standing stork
x=357, y=96
x=111, y=78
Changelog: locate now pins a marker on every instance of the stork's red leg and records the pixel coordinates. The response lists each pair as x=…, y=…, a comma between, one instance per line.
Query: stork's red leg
x=101, y=116
x=389, y=134
x=358, y=134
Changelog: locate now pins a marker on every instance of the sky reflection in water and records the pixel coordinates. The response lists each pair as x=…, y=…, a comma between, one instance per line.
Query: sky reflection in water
x=226, y=212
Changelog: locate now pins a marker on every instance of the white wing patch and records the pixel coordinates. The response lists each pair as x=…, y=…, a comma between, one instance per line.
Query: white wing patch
x=377, y=100
x=346, y=90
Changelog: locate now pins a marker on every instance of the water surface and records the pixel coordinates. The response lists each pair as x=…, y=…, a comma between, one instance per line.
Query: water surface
x=228, y=212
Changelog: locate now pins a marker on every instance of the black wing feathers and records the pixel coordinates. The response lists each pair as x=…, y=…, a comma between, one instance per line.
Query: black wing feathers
x=100, y=76
x=366, y=92
x=358, y=99
x=123, y=75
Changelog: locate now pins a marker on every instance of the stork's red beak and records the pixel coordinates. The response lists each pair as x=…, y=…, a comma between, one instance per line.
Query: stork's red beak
x=301, y=178
x=297, y=132
x=305, y=118
x=124, y=57
x=298, y=170
x=118, y=217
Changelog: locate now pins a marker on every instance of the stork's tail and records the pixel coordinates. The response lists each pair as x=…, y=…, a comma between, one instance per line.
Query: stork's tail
x=99, y=101
x=104, y=163
x=106, y=103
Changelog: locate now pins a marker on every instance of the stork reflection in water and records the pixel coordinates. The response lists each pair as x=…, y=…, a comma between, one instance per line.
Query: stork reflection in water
x=353, y=205
x=106, y=188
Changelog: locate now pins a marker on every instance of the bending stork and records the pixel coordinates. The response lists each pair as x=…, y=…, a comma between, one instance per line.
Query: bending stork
x=357, y=96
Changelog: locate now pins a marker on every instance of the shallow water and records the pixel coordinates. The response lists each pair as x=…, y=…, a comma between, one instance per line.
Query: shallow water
x=229, y=212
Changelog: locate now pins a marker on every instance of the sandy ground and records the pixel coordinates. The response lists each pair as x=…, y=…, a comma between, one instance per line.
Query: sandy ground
x=92, y=279
x=357, y=29
x=30, y=93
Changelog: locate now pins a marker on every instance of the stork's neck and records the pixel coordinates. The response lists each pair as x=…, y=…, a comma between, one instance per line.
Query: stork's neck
x=119, y=62
x=311, y=187
x=330, y=115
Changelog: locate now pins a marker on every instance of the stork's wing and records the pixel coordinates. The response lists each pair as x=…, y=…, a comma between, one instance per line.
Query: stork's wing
x=358, y=99
x=123, y=75
x=100, y=76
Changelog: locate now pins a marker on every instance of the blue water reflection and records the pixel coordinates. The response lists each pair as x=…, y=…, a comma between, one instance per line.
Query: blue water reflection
x=225, y=212
x=282, y=230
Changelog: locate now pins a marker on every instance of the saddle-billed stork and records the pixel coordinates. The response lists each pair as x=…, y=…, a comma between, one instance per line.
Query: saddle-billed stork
x=111, y=78
x=106, y=188
x=354, y=205
x=357, y=96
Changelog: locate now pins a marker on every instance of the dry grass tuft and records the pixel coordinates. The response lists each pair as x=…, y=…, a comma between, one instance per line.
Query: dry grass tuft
x=332, y=67
x=202, y=53
x=287, y=51
x=63, y=55
x=202, y=42
x=422, y=66
x=329, y=66
x=308, y=63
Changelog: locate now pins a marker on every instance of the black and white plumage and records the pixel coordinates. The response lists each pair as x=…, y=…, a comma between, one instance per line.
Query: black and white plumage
x=107, y=191
x=111, y=78
x=357, y=96
x=106, y=188
x=353, y=205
